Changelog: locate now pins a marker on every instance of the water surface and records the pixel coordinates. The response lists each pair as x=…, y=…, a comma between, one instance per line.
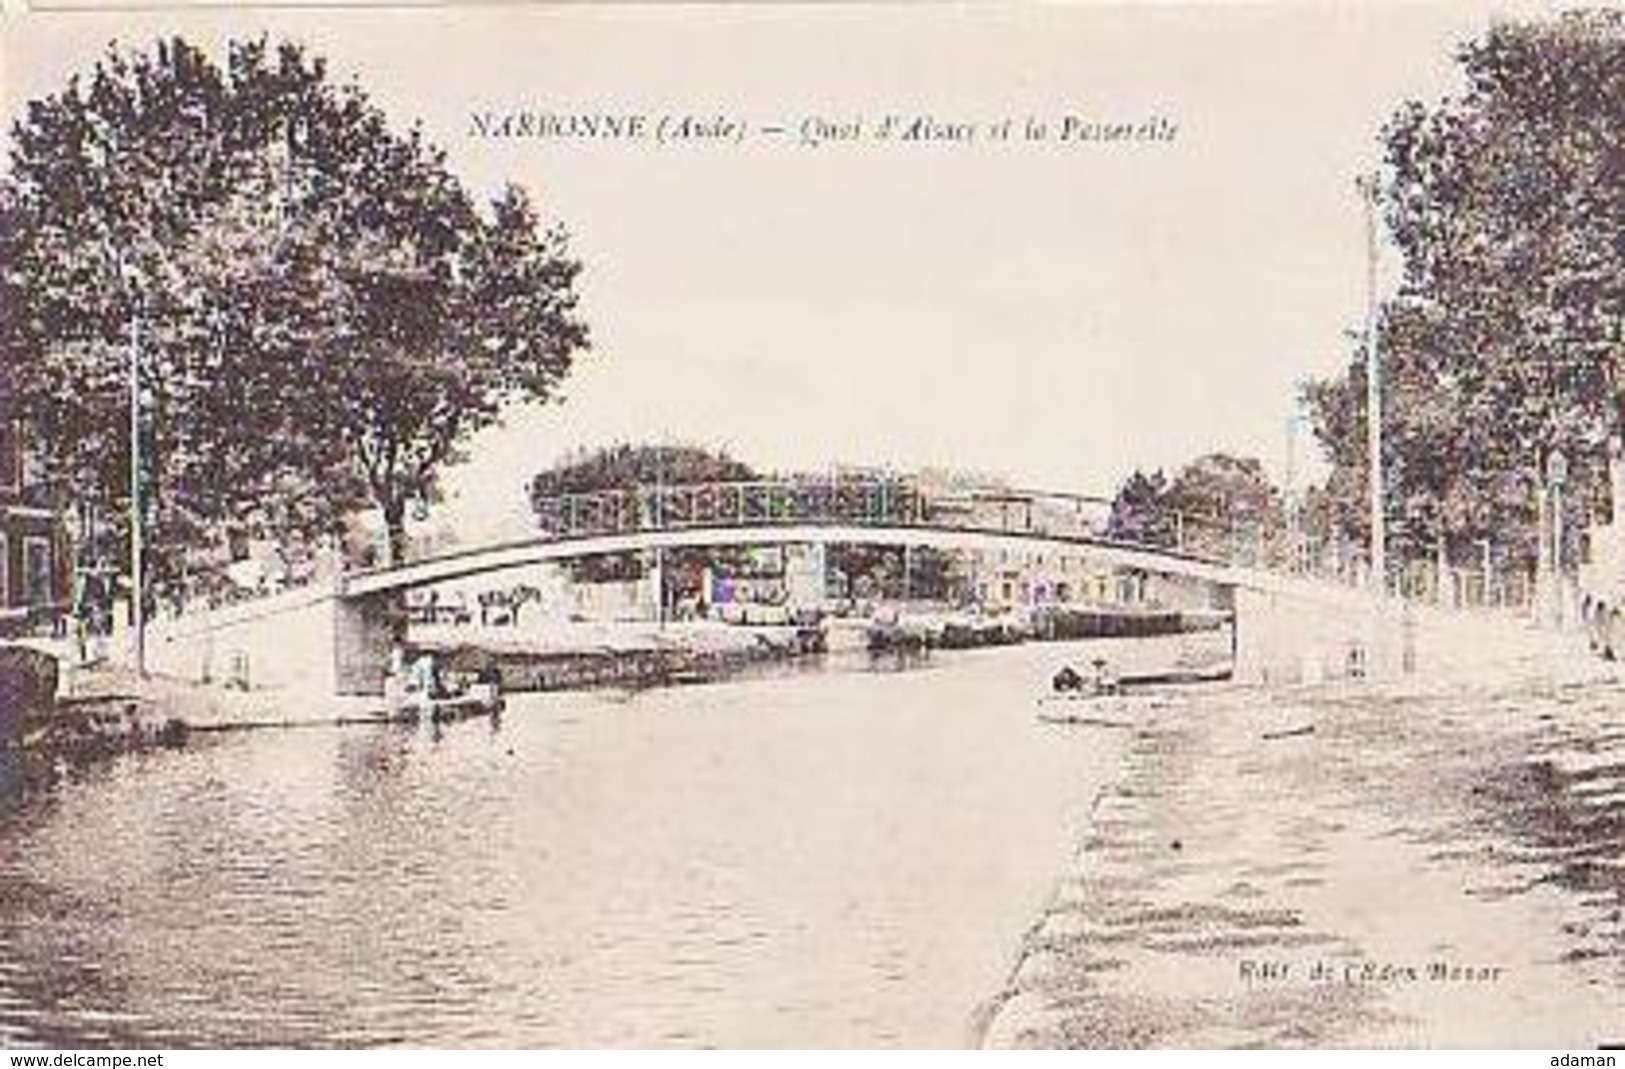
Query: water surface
x=842, y=857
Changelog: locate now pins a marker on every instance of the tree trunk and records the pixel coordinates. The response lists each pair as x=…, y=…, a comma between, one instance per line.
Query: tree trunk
x=395, y=529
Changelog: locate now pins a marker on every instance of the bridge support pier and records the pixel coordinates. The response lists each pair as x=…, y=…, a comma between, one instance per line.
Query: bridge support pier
x=805, y=575
x=1283, y=637
x=364, y=631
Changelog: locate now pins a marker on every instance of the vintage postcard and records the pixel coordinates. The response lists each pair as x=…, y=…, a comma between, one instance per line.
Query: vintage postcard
x=811, y=526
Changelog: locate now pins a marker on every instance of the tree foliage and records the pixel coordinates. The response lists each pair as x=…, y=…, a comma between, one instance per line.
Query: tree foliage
x=323, y=313
x=1211, y=505
x=1503, y=341
x=629, y=467
x=1141, y=513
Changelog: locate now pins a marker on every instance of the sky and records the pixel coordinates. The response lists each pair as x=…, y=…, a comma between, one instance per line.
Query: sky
x=1054, y=314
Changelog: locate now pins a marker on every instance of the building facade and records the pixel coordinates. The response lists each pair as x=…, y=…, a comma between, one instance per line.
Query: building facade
x=32, y=574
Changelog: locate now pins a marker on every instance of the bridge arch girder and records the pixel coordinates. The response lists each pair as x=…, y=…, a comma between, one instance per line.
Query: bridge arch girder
x=549, y=550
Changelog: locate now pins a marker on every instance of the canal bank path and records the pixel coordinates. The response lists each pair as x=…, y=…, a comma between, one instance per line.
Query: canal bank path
x=1436, y=860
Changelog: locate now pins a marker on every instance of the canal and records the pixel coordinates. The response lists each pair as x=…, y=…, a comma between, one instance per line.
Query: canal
x=842, y=856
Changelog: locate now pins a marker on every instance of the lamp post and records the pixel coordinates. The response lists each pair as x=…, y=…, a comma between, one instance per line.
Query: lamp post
x=1557, y=473
x=104, y=153
x=1373, y=391
x=1294, y=506
x=659, y=519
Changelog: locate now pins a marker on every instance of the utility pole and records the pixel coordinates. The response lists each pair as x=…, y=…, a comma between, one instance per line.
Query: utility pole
x=1294, y=506
x=138, y=633
x=659, y=511
x=1373, y=392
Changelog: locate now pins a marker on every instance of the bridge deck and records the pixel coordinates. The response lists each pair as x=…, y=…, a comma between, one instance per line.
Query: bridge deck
x=548, y=549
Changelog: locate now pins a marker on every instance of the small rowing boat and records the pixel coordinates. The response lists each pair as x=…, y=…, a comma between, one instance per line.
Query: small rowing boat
x=422, y=693
x=450, y=709
x=1118, y=710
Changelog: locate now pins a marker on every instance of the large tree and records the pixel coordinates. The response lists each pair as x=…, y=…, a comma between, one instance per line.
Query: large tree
x=1504, y=340
x=323, y=313
x=629, y=467
x=1227, y=506
x=1140, y=514
x=629, y=472
x=1218, y=504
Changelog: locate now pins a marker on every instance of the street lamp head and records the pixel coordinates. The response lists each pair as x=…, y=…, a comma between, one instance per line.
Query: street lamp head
x=1557, y=468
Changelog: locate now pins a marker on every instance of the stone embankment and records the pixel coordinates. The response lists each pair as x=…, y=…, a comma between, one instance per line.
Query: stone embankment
x=582, y=656
x=1433, y=860
x=51, y=712
x=43, y=732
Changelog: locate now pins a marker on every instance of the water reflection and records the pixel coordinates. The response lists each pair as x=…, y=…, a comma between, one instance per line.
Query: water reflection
x=845, y=858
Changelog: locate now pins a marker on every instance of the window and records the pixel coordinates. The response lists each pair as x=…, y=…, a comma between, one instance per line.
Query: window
x=11, y=459
x=36, y=571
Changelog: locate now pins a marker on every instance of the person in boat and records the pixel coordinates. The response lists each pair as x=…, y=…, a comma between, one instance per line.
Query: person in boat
x=486, y=683
x=424, y=681
x=1102, y=680
x=395, y=680
x=1105, y=680
x=1067, y=680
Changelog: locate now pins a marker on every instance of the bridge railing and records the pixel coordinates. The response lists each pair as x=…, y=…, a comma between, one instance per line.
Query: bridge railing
x=658, y=508
x=881, y=502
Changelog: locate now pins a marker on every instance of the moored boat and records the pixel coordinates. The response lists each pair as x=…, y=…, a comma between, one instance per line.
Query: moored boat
x=420, y=692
